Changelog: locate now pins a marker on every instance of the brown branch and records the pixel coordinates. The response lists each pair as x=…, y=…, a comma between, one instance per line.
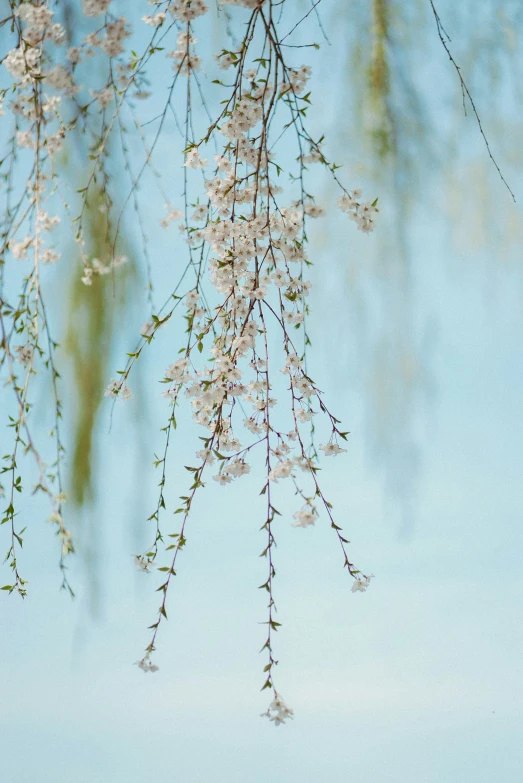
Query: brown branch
x=466, y=93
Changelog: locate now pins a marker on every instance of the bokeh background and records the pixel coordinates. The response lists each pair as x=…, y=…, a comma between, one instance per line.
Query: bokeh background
x=416, y=333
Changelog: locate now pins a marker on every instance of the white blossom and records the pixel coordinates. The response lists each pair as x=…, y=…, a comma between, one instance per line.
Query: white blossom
x=146, y=665
x=24, y=353
x=103, y=97
x=156, y=20
x=95, y=7
x=331, y=449
x=143, y=563
x=19, y=249
x=187, y=10
x=361, y=584
x=305, y=517
x=222, y=478
x=278, y=712
x=282, y=470
x=237, y=467
x=362, y=213
x=118, y=389
x=49, y=256
x=245, y=3
x=47, y=222
x=193, y=160
x=206, y=456
x=172, y=214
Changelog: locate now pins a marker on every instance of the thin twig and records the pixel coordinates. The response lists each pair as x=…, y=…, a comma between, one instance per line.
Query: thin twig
x=465, y=92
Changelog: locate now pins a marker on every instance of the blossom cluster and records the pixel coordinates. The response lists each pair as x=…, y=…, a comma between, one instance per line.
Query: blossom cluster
x=245, y=231
x=278, y=712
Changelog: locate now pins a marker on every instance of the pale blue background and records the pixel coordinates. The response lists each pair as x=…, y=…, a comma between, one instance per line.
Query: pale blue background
x=419, y=679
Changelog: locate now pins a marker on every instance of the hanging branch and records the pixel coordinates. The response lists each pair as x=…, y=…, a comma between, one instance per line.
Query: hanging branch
x=241, y=368
x=465, y=93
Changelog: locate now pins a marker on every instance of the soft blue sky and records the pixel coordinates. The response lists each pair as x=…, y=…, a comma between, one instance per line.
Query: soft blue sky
x=419, y=679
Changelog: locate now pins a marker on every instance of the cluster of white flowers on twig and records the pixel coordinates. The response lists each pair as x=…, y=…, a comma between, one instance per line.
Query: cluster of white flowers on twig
x=278, y=712
x=246, y=237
